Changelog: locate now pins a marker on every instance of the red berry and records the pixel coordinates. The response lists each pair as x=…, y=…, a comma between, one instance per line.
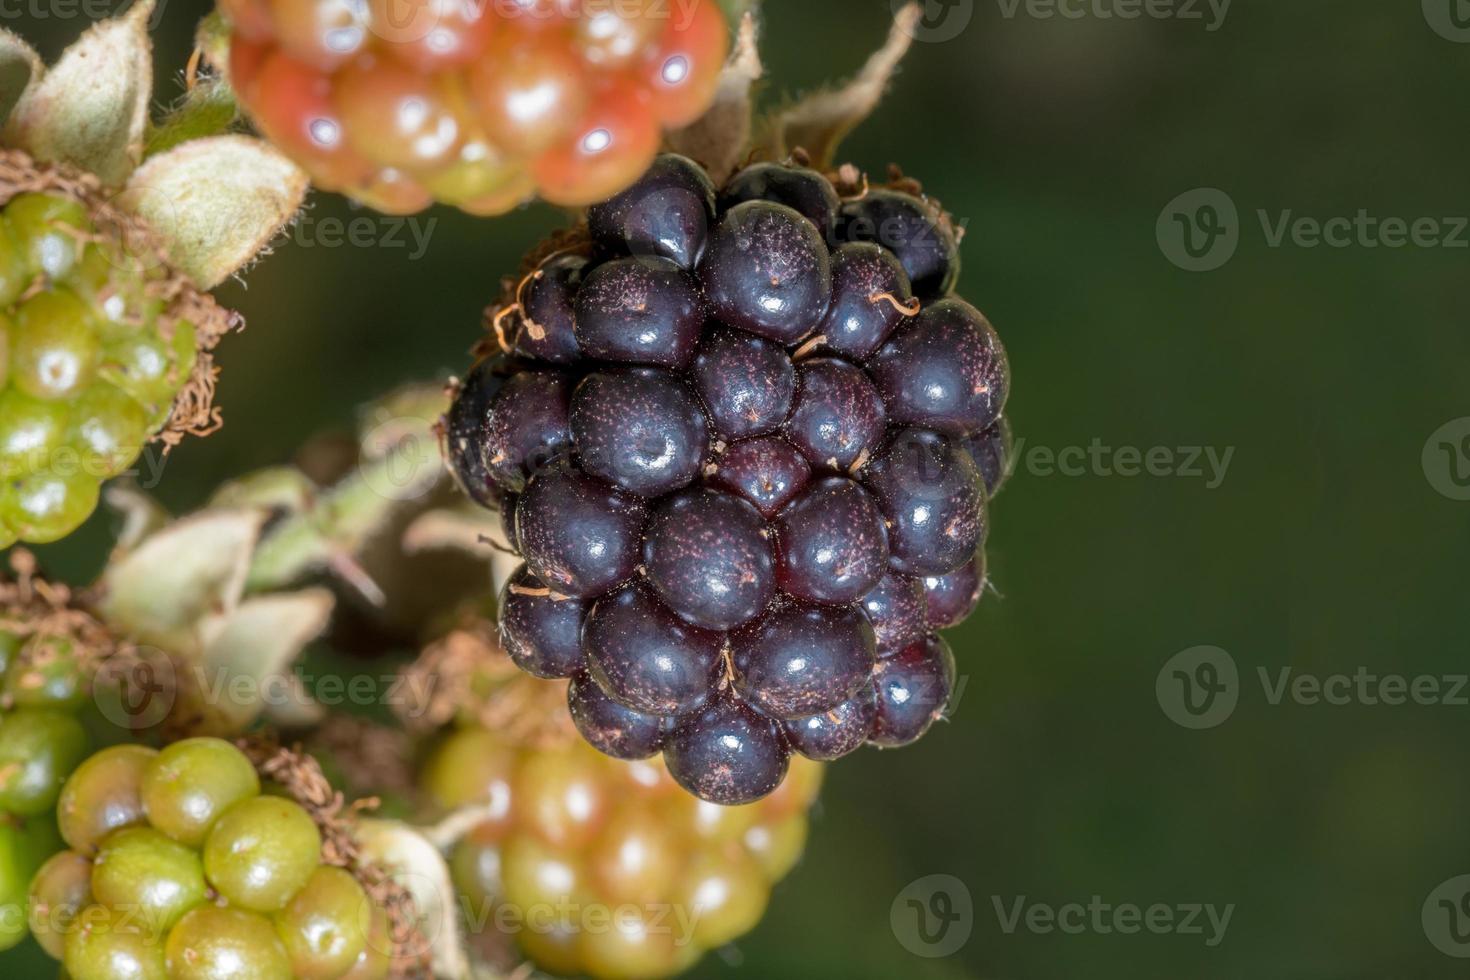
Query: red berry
x=611, y=144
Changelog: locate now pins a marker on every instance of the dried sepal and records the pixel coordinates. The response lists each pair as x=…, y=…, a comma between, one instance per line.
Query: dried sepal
x=719, y=139
x=161, y=590
x=819, y=122
x=216, y=202
x=91, y=108
x=141, y=514
x=412, y=861
x=20, y=66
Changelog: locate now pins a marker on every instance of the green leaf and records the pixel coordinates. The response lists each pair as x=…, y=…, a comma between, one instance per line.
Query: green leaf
x=208, y=109
x=90, y=110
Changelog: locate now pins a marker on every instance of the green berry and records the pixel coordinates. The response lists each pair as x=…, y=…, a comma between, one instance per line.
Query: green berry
x=103, y=795
x=47, y=506
x=261, y=852
x=10, y=644
x=50, y=230
x=38, y=749
x=213, y=943
x=118, y=294
x=47, y=675
x=139, y=868
x=61, y=889
x=109, y=428
x=30, y=432
x=324, y=926
x=15, y=275
x=15, y=868
x=377, y=957
x=148, y=367
x=54, y=348
x=192, y=782
x=111, y=944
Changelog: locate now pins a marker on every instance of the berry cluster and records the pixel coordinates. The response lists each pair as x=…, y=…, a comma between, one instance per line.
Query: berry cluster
x=605, y=868
x=741, y=439
x=180, y=868
x=90, y=365
x=481, y=105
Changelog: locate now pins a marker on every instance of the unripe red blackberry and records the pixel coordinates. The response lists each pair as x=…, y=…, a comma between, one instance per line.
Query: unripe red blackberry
x=752, y=433
x=577, y=846
x=399, y=103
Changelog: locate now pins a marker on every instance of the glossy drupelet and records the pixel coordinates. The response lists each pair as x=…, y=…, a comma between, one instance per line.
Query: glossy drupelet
x=479, y=105
x=766, y=462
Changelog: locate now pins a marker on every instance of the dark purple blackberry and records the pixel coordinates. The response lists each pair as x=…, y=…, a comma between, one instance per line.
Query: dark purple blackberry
x=729, y=753
x=539, y=629
x=837, y=418
x=946, y=370
x=897, y=611
x=546, y=328
x=991, y=450
x=666, y=214
x=802, y=660
x=648, y=659
x=932, y=499
x=610, y=727
x=871, y=297
x=805, y=191
x=579, y=535
x=747, y=383
x=767, y=271
x=838, y=732
x=914, y=231
x=641, y=429
x=743, y=439
x=769, y=472
x=914, y=687
x=708, y=556
x=639, y=311
x=950, y=599
x=830, y=543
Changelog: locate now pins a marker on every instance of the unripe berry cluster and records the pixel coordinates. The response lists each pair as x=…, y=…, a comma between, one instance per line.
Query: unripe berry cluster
x=477, y=104
x=606, y=868
x=742, y=441
x=90, y=364
x=180, y=868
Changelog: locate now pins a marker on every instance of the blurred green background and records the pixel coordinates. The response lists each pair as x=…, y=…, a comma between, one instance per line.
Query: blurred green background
x=1326, y=547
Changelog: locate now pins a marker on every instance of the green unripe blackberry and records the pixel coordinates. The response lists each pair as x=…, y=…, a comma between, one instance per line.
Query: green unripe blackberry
x=90, y=364
x=38, y=748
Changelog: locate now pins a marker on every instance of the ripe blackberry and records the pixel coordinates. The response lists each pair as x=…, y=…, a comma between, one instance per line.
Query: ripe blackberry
x=582, y=834
x=181, y=867
x=477, y=105
x=763, y=473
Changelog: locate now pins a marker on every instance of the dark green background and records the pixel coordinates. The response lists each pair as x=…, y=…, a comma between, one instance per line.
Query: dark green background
x=1326, y=549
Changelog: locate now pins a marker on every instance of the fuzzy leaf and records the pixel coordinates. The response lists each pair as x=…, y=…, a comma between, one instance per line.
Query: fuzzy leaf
x=19, y=67
x=253, y=648
x=719, y=138
x=90, y=110
x=217, y=202
x=208, y=109
x=819, y=122
x=418, y=866
x=160, y=591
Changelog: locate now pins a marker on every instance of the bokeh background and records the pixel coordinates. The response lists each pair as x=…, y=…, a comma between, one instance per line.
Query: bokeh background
x=1331, y=544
